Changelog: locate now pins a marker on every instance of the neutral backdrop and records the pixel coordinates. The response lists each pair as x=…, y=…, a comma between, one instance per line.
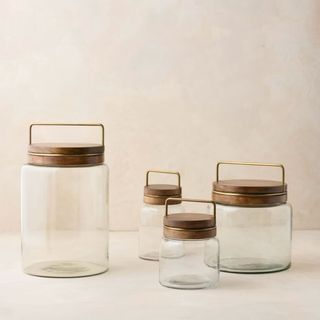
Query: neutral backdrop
x=178, y=84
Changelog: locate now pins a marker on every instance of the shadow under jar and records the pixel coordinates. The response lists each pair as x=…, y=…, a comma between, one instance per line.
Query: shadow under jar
x=152, y=213
x=64, y=209
x=189, y=255
x=254, y=222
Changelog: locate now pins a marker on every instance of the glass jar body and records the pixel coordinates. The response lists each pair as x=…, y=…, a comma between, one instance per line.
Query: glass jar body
x=254, y=240
x=64, y=220
x=189, y=264
x=151, y=229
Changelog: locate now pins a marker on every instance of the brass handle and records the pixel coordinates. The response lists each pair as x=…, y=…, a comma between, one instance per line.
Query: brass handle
x=192, y=200
x=257, y=164
x=68, y=125
x=165, y=172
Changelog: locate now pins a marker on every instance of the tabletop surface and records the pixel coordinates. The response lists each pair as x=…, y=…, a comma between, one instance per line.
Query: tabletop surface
x=130, y=289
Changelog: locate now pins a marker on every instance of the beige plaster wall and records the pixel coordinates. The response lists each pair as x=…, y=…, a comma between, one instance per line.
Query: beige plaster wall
x=178, y=85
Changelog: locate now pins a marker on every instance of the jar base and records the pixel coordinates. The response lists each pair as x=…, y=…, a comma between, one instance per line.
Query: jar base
x=65, y=269
x=250, y=265
x=187, y=281
x=152, y=256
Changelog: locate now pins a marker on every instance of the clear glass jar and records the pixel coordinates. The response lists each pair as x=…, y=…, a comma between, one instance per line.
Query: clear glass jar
x=189, y=264
x=254, y=240
x=152, y=213
x=254, y=223
x=189, y=255
x=150, y=229
x=64, y=211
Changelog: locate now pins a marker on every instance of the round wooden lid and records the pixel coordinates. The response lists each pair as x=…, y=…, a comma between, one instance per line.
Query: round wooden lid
x=66, y=148
x=188, y=226
x=249, y=186
x=249, y=193
x=157, y=194
x=189, y=220
x=65, y=154
x=162, y=190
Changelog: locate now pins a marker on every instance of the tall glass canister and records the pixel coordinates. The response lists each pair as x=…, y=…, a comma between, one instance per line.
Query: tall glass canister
x=254, y=222
x=189, y=255
x=64, y=208
x=152, y=213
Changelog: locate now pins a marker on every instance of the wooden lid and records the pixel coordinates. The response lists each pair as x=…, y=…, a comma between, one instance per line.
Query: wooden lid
x=157, y=194
x=65, y=154
x=188, y=226
x=249, y=186
x=249, y=193
x=189, y=220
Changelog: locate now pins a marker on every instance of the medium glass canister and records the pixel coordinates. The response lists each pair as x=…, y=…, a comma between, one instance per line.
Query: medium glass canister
x=254, y=222
x=189, y=255
x=152, y=213
x=64, y=208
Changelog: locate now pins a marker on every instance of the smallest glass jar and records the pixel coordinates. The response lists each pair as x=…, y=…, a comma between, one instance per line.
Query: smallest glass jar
x=152, y=213
x=189, y=254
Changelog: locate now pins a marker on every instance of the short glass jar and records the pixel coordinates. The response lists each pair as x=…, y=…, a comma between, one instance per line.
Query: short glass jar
x=189, y=255
x=64, y=209
x=254, y=222
x=152, y=213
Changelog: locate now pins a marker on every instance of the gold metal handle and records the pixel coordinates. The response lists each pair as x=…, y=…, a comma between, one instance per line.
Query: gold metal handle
x=192, y=200
x=68, y=125
x=256, y=164
x=165, y=172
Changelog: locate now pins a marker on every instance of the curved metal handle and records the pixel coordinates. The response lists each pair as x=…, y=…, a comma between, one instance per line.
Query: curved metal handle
x=165, y=172
x=192, y=200
x=68, y=125
x=256, y=164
